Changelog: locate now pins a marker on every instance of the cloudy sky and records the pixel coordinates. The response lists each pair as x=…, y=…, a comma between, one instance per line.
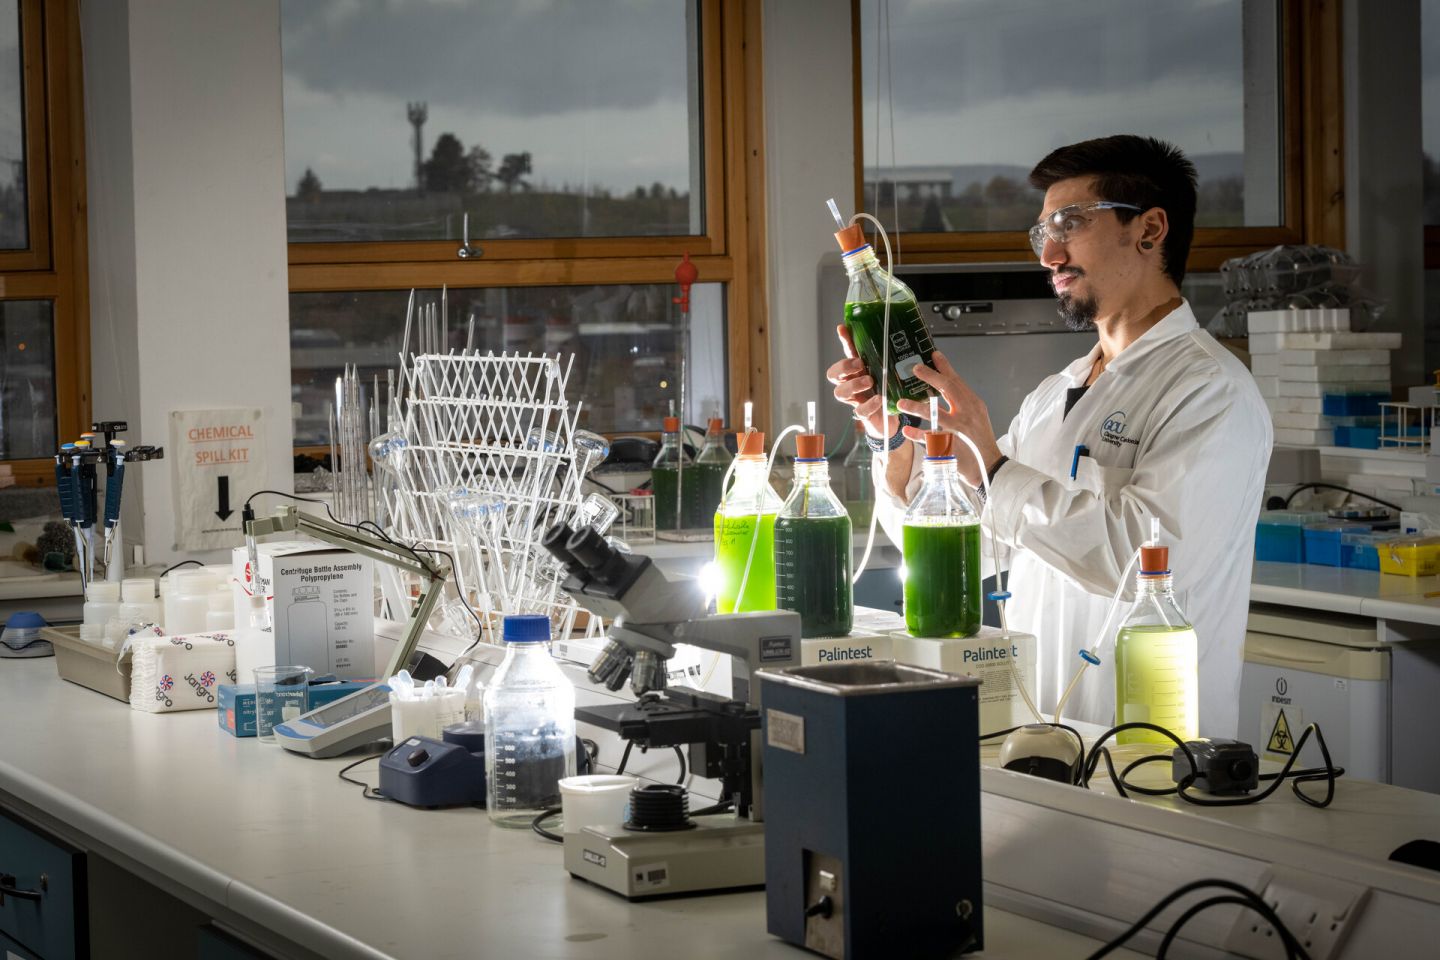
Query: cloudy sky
x=12, y=141
x=597, y=92
x=1005, y=81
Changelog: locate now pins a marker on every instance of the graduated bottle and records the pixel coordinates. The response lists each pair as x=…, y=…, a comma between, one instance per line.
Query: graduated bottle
x=745, y=533
x=909, y=337
x=672, y=480
x=529, y=726
x=710, y=465
x=941, y=547
x=1156, y=658
x=813, y=547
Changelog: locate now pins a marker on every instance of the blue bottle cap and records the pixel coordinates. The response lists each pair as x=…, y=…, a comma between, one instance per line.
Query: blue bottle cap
x=526, y=628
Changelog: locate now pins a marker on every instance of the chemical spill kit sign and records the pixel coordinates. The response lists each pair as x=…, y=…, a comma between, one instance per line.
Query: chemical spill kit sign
x=218, y=462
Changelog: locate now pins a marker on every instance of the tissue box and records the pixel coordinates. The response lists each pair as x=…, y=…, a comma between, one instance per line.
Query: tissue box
x=235, y=703
x=321, y=603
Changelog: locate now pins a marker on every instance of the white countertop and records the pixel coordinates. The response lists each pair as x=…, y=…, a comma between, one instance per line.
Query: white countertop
x=1343, y=590
x=281, y=841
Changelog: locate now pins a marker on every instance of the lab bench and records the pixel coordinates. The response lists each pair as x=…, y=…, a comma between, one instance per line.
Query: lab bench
x=197, y=830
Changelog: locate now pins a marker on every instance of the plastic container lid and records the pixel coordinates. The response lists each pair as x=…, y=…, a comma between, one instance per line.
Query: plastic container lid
x=1291, y=518
x=751, y=444
x=138, y=590
x=1337, y=526
x=103, y=591
x=526, y=628
x=25, y=620
x=810, y=446
x=939, y=443
x=192, y=582
x=671, y=425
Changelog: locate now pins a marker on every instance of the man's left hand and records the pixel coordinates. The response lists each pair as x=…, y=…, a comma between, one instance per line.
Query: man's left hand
x=966, y=414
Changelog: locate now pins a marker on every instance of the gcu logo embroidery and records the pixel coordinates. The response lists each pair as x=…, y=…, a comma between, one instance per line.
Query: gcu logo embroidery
x=1112, y=430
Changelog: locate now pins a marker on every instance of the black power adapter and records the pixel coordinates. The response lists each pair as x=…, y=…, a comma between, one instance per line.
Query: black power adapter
x=1226, y=767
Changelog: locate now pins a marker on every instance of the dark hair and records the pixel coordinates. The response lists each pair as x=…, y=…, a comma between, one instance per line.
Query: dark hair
x=1140, y=170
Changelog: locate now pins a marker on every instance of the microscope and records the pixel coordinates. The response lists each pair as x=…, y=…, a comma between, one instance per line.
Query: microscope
x=648, y=615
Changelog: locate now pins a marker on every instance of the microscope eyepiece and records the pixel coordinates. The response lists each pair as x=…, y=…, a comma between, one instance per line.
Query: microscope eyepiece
x=554, y=540
x=590, y=549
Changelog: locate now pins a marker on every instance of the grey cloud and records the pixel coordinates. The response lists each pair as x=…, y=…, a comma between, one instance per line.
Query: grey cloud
x=518, y=58
x=950, y=53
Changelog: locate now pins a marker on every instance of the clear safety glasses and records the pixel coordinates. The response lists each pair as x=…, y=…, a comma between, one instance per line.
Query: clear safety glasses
x=1065, y=222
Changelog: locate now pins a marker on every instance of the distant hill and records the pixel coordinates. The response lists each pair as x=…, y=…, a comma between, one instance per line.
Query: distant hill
x=1209, y=166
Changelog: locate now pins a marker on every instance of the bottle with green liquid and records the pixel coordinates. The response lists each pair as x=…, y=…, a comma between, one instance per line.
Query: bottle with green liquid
x=745, y=533
x=672, y=481
x=941, y=547
x=1157, y=658
x=909, y=337
x=813, y=547
x=710, y=465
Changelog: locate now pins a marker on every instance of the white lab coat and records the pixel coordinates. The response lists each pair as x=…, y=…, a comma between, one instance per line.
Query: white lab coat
x=1176, y=429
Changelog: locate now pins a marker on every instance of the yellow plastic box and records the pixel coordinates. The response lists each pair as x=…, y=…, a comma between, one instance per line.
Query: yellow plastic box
x=1410, y=557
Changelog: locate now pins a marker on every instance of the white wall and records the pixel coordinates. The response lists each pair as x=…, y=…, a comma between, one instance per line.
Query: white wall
x=188, y=282
x=809, y=158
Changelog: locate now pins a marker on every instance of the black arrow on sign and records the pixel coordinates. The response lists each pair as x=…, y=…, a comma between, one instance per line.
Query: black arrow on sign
x=224, y=512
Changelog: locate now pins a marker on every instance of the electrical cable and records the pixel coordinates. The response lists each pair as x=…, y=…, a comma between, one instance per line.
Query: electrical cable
x=1203, y=905
x=624, y=758
x=540, y=831
x=1292, y=947
x=1332, y=486
x=182, y=563
x=724, y=806
x=366, y=791
x=684, y=767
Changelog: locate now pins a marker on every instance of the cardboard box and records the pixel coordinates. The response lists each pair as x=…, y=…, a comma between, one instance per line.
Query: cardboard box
x=857, y=646
x=986, y=657
x=321, y=605
x=235, y=703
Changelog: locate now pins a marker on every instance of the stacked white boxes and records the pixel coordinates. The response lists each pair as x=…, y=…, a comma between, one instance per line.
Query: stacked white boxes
x=1299, y=357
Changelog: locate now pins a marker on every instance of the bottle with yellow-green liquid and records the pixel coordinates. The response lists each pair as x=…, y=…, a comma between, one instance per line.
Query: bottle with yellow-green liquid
x=1157, y=659
x=941, y=547
x=745, y=534
x=908, y=342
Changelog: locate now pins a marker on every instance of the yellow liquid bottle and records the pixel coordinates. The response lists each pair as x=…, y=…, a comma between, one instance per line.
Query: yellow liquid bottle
x=745, y=534
x=1157, y=659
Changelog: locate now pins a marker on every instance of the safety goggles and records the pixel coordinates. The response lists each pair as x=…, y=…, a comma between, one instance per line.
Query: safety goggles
x=1065, y=222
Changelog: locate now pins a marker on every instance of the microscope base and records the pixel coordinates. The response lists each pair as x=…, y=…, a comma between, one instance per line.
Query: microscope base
x=721, y=853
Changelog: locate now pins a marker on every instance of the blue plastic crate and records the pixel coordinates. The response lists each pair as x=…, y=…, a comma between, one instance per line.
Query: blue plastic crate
x=1323, y=541
x=1363, y=438
x=1353, y=404
x=1280, y=535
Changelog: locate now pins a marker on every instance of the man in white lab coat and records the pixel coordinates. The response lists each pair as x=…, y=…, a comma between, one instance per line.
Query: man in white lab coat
x=1158, y=420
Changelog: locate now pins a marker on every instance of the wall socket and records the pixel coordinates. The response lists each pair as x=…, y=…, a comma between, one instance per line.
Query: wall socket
x=1316, y=910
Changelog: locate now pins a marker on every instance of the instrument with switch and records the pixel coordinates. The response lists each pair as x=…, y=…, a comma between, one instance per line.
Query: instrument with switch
x=648, y=615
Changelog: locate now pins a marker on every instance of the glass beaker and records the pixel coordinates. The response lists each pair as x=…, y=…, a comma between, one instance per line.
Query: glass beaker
x=281, y=694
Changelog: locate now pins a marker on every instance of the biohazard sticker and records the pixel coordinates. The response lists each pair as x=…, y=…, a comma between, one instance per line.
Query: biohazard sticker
x=1277, y=729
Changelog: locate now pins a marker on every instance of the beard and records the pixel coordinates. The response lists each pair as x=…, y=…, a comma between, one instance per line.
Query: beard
x=1078, y=312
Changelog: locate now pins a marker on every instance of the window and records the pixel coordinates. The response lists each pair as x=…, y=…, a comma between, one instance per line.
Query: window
x=584, y=177
x=985, y=88
x=44, y=361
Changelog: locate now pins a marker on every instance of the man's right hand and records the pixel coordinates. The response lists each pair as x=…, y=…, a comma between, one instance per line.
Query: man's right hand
x=855, y=388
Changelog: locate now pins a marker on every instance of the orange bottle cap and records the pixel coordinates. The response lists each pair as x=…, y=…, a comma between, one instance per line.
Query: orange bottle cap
x=810, y=446
x=751, y=444
x=851, y=238
x=1154, y=560
x=939, y=443
x=716, y=425
x=671, y=425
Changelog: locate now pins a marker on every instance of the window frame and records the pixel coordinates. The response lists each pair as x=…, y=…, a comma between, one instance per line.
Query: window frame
x=1312, y=131
x=730, y=250
x=55, y=266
